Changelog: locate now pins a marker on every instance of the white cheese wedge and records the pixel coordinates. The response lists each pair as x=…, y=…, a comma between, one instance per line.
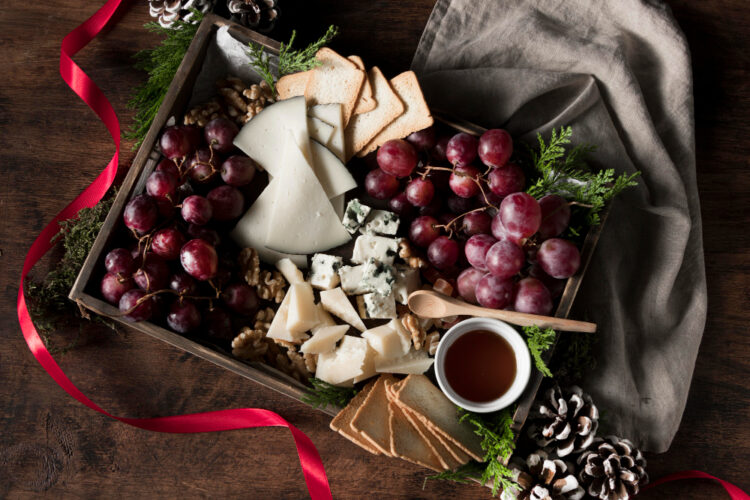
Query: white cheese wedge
x=324, y=319
x=413, y=362
x=376, y=247
x=403, y=334
x=407, y=281
x=319, y=130
x=324, y=339
x=342, y=365
x=302, y=314
x=264, y=137
x=252, y=228
x=303, y=220
x=386, y=342
x=278, y=329
x=332, y=115
x=337, y=303
x=324, y=271
x=289, y=270
x=331, y=172
x=338, y=203
x=368, y=365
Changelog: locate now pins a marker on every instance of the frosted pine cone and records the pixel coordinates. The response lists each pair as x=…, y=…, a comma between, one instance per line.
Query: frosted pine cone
x=565, y=420
x=612, y=469
x=259, y=15
x=544, y=477
x=167, y=12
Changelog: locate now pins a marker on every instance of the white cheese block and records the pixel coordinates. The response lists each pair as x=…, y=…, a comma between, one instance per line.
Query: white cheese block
x=351, y=279
x=263, y=138
x=377, y=306
x=324, y=319
x=319, y=130
x=324, y=339
x=290, y=271
x=331, y=172
x=338, y=204
x=407, y=281
x=333, y=115
x=303, y=220
x=386, y=342
x=403, y=334
x=302, y=314
x=381, y=222
x=324, y=271
x=355, y=215
x=375, y=247
x=378, y=277
x=278, y=329
x=368, y=365
x=342, y=365
x=337, y=303
x=413, y=362
x=252, y=228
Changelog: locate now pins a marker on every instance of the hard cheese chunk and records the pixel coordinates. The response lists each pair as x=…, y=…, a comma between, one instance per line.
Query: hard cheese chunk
x=302, y=314
x=376, y=306
x=332, y=115
x=381, y=222
x=264, y=137
x=386, y=341
x=378, y=277
x=303, y=220
x=407, y=281
x=403, y=334
x=337, y=303
x=324, y=319
x=368, y=365
x=351, y=279
x=324, y=271
x=414, y=362
x=290, y=271
x=331, y=172
x=324, y=339
x=278, y=329
x=342, y=365
x=375, y=247
x=355, y=215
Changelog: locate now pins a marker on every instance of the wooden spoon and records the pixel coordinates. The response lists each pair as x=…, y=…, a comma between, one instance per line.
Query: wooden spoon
x=429, y=304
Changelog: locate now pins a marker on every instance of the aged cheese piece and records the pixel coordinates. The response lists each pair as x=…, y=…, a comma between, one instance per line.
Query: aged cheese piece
x=356, y=213
x=324, y=319
x=386, y=342
x=351, y=279
x=264, y=137
x=324, y=271
x=342, y=365
x=302, y=314
x=412, y=362
x=290, y=271
x=381, y=222
x=376, y=306
x=407, y=281
x=330, y=171
x=319, y=130
x=375, y=247
x=337, y=303
x=278, y=329
x=324, y=339
x=403, y=334
x=303, y=220
x=332, y=115
x=368, y=366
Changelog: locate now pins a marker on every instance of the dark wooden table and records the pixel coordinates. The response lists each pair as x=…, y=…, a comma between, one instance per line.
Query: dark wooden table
x=52, y=146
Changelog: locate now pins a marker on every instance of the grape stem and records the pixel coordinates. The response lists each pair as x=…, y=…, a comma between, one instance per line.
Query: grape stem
x=155, y=293
x=209, y=164
x=448, y=227
x=476, y=180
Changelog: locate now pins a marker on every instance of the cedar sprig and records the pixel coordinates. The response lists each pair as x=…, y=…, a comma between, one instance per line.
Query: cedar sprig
x=539, y=341
x=465, y=473
x=323, y=394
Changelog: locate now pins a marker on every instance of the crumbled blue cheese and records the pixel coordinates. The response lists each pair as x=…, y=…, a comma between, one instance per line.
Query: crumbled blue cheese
x=378, y=277
x=351, y=279
x=376, y=306
x=381, y=222
x=407, y=281
x=355, y=215
x=324, y=271
x=375, y=247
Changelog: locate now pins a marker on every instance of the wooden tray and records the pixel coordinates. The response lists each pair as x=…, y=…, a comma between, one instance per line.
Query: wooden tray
x=174, y=104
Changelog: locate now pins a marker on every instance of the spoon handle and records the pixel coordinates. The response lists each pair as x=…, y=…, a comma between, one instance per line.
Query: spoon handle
x=524, y=319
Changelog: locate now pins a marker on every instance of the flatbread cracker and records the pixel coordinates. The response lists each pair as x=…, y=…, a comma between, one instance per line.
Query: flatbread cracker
x=365, y=101
x=341, y=422
x=371, y=419
x=292, y=85
x=337, y=79
x=406, y=443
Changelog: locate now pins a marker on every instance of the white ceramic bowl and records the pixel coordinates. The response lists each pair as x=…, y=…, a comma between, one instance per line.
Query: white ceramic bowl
x=520, y=349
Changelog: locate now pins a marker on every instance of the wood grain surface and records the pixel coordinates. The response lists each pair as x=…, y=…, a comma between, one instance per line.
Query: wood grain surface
x=52, y=146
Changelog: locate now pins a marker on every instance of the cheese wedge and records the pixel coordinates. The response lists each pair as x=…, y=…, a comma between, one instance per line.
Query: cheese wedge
x=342, y=365
x=337, y=79
x=368, y=366
x=332, y=115
x=289, y=270
x=330, y=171
x=303, y=220
x=324, y=339
x=302, y=314
x=319, y=130
x=278, y=329
x=413, y=362
x=365, y=101
x=324, y=319
x=339, y=204
x=337, y=303
x=386, y=342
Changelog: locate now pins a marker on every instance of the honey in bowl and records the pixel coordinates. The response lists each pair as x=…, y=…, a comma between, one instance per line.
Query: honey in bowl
x=480, y=366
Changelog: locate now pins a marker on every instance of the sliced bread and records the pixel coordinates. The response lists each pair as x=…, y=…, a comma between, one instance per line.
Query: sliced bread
x=364, y=127
x=341, y=423
x=337, y=79
x=371, y=419
x=292, y=85
x=406, y=443
x=365, y=101
x=416, y=116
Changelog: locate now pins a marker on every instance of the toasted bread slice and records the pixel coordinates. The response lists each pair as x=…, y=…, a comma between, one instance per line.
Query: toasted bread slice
x=292, y=85
x=365, y=101
x=371, y=419
x=341, y=422
x=416, y=116
x=364, y=127
x=438, y=414
x=406, y=443
x=446, y=458
x=337, y=79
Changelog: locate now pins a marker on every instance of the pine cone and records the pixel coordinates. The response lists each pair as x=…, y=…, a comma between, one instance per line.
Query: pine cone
x=567, y=420
x=169, y=11
x=259, y=15
x=612, y=469
x=543, y=477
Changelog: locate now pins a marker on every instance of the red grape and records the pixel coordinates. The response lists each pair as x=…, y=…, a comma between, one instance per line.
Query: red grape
x=238, y=170
x=166, y=207
x=520, y=214
x=175, y=143
x=504, y=259
x=463, y=181
x=506, y=180
x=495, y=147
x=458, y=205
x=400, y=204
x=422, y=231
x=381, y=185
x=182, y=283
x=194, y=134
x=397, y=157
x=555, y=216
x=161, y=185
x=169, y=167
x=443, y=252
x=419, y=192
x=199, y=259
x=219, y=134
x=241, y=298
x=423, y=139
x=476, y=223
x=438, y=151
x=153, y=274
x=559, y=258
x=461, y=149
x=532, y=297
x=476, y=249
x=500, y=232
x=217, y=323
x=226, y=202
x=141, y=213
x=202, y=165
x=494, y=292
x=434, y=208
x=197, y=210
x=120, y=261
x=142, y=312
x=184, y=190
x=113, y=287
x=467, y=284
x=183, y=316
x=167, y=243
x=554, y=285
x=206, y=234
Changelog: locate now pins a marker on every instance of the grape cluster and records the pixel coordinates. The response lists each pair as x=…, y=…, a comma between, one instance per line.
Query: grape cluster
x=465, y=199
x=179, y=265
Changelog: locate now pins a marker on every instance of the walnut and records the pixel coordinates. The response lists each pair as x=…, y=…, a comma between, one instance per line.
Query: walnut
x=293, y=364
x=250, y=266
x=233, y=99
x=263, y=319
x=431, y=342
x=250, y=344
x=285, y=343
x=311, y=362
x=271, y=286
x=443, y=287
x=407, y=253
x=418, y=335
x=203, y=113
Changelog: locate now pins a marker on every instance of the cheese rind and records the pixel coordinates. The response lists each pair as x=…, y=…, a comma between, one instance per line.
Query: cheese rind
x=302, y=314
x=337, y=303
x=355, y=215
x=324, y=271
x=375, y=247
x=324, y=339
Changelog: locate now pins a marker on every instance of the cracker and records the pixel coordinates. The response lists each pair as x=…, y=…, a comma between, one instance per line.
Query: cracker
x=292, y=85
x=365, y=101
x=406, y=443
x=337, y=79
x=436, y=445
x=371, y=419
x=341, y=422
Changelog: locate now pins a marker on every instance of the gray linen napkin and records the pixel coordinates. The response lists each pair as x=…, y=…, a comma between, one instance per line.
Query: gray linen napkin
x=618, y=71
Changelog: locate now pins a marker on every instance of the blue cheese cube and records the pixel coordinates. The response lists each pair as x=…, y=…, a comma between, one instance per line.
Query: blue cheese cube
x=407, y=281
x=375, y=247
x=355, y=215
x=378, y=277
x=376, y=306
x=351, y=279
x=324, y=271
x=381, y=222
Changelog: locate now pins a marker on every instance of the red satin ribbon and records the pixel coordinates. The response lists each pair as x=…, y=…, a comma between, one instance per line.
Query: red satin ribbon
x=735, y=493
x=244, y=418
